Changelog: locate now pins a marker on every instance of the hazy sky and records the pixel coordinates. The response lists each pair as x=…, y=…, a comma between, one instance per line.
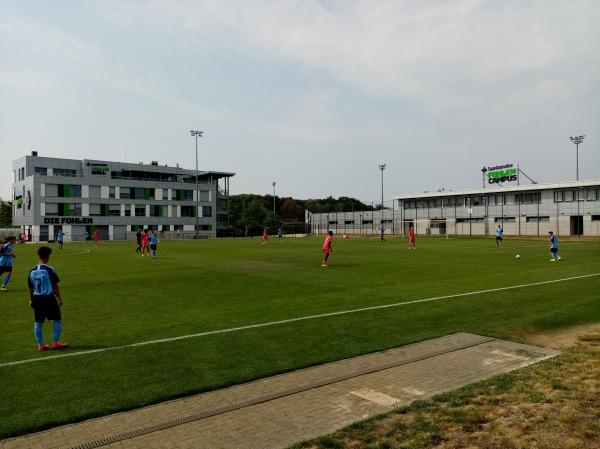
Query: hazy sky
x=311, y=94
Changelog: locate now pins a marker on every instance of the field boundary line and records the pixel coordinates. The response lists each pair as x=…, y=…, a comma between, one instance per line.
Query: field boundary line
x=292, y=320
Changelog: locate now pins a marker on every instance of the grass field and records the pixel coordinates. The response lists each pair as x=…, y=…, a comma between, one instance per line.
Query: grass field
x=115, y=298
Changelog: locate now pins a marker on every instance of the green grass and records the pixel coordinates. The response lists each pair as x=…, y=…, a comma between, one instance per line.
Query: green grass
x=113, y=297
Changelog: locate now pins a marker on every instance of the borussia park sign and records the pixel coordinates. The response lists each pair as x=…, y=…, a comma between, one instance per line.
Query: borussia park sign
x=501, y=173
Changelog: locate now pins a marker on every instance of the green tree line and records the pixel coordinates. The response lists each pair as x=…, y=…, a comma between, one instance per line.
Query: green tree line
x=249, y=214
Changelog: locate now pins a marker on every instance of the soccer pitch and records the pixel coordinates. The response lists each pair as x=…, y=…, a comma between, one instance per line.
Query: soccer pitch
x=219, y=312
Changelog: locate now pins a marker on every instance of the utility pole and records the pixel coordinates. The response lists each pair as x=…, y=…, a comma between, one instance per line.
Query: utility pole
x=197, y=134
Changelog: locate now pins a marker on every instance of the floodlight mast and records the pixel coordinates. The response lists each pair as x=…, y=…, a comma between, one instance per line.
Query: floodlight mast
x=577, y=140
x=382, y=167
x=196, y=134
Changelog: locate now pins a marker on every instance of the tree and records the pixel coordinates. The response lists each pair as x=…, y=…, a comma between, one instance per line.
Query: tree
x=290, y=210
x=253, y=215
x=272, y=220
x=5, y=214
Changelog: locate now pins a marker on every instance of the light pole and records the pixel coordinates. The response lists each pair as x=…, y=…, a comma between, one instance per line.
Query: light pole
x=577, y=140
x=381, y=167
x=197, y=134
x=273, y=200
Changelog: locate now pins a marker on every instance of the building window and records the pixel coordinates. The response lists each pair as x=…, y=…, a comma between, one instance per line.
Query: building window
x=156, y=211
x=51, y=209
x=111, y=192
x=595, y=217
x=542, y=219
x=41, y=171
x=95, y=210
x=188, y=211
x=140, y=211
x=113, y=210
x=125, y=193
x=592, y=195
x=207, y=211
x=505, y=220
x=74, y=209
x=64, y=172
x=183, y=195
x=347, y=222
x=178, y=227
x=69, y=191
x=558, y=197
x=568, y=196
x=127, y=211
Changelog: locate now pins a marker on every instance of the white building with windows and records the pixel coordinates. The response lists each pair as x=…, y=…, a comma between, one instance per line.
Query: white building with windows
x=567, y=208
x=115, y=198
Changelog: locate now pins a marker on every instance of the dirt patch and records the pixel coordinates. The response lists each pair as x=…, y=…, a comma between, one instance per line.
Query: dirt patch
x=564, y=338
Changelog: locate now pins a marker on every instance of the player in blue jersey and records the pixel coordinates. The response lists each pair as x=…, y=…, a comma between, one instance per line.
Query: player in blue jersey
x=153, y=240
x=45, y=299
x=499, y=233
x=60, y=239
x=553, y=247
x=6, y=260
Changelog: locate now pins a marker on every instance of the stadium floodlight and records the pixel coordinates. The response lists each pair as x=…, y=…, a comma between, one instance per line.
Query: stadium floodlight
x=577, y=140
x=382, y=167
x=196, y=134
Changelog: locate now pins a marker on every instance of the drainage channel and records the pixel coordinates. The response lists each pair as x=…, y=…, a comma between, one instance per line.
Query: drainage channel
x=210, y=412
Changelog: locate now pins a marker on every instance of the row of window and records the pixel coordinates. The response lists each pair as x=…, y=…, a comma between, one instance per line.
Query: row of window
x=103, y=170
x=503, y=199
x=114, y=210
x=133, y=193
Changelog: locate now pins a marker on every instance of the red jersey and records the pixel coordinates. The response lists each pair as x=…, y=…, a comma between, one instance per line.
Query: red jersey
x=96, y=235
x=145, y=238
x=265, y=233
x=411, y=234
x=327, y=244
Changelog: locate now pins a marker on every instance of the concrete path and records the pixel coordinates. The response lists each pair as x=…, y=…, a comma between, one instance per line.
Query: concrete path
x=281, y=410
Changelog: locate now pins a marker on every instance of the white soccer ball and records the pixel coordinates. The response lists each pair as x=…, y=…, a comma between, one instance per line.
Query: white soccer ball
x=517, y=257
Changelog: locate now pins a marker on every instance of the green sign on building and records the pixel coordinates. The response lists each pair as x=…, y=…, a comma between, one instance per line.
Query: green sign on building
x=501, y=173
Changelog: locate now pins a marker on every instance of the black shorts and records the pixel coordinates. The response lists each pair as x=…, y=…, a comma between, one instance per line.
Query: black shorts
x=153, y=247
x=7, y=269
x=553, y=250
x=498, y=238
x=45, y=307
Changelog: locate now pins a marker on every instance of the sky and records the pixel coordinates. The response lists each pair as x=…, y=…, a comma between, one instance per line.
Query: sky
x=313, y=95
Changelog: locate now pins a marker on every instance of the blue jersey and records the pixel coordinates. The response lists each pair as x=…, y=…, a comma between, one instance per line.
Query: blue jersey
x=499, y=232
x=6, y=260
x=42, y=279
x=153, y=240
x=60, y=237
x=553, y=242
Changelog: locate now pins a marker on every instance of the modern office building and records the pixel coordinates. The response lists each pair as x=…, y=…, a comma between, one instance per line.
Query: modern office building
x=567, y=208
x=115, y=198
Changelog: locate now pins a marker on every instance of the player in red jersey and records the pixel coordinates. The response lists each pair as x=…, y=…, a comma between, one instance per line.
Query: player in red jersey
x=327, y=249
x=145, y=240
x=411, y=239
x=265, y=237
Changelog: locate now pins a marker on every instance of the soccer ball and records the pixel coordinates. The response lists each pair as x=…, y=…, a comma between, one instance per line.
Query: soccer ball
x=517, y=257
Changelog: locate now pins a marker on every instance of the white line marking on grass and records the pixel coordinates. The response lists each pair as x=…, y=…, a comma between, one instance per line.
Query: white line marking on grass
x=291, y=320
